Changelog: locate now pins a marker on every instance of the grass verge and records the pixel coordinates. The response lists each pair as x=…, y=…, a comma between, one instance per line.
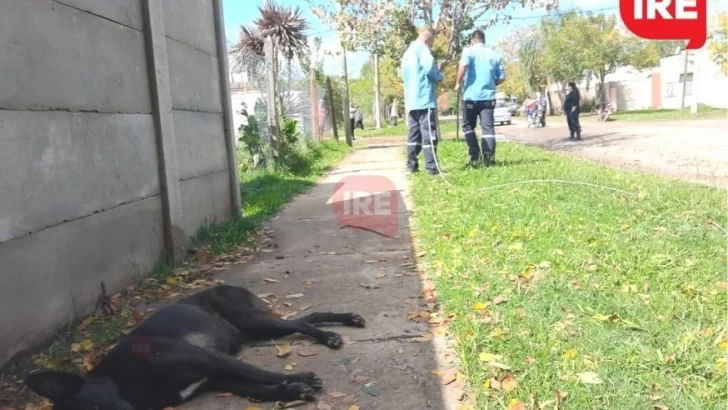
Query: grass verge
x=704, y=113
x=82, y=343
x=264, y=193
x=399, y=130
x=575, y=295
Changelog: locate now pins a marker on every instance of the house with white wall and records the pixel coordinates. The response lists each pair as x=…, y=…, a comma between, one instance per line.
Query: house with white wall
x=242, y=90
x=662, y=87
x=700, y=77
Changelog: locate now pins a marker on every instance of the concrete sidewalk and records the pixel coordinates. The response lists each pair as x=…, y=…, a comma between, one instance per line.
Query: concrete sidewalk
x=388, y=364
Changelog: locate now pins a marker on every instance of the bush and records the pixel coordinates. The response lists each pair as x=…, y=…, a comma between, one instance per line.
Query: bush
x=297, y=155
x=588, y=105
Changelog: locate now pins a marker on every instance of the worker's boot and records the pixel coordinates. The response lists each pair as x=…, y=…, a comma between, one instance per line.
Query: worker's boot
x=578, y=135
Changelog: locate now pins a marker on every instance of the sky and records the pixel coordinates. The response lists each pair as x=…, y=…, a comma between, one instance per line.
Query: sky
x=244, y=12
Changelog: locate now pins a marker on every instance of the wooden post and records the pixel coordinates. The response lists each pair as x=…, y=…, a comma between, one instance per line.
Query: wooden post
x=314, y=103
x=345, y=99
x=332, y=108
x=377, y=94
x=271, y=105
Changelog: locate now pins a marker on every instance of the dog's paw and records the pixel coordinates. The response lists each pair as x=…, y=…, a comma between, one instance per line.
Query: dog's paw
x=311, y=379
x=334, y=340
x=357, y=320
x=299, y=391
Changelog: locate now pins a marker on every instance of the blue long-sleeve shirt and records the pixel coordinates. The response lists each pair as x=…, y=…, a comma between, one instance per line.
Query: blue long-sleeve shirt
x=485, y=67
x=420, y=77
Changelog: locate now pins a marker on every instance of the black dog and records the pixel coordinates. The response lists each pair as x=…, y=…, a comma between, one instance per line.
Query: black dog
x=188, y=348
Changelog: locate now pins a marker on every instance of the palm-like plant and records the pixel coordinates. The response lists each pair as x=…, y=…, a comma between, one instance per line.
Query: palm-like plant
x=284, y=25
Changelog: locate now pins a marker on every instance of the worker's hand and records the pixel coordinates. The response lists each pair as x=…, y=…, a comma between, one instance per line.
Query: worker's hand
x=457, y=86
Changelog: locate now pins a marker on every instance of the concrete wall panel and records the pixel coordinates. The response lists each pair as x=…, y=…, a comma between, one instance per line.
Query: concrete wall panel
x=191, y=22
x=194, y=79
x=56, y=57
x=55, y=274
x=81, y=150
x=200, y=142
x=205, y=200
x=126, y=12
x=58, y=166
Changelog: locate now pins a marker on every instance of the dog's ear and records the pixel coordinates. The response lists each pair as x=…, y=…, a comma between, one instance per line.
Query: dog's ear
x=55, y=385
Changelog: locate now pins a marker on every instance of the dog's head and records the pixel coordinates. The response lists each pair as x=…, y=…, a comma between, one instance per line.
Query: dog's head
x=68, y=391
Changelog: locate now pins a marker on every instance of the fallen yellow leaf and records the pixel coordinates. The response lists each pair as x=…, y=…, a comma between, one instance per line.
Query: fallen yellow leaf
x=497, y=333
x=516, y=405
x=487, y=357
x=479, y=306
x=509, y=383
x=605, y=318
x=570, y=354
x=516, y=246
x=499, y=299
x=723, y=344
x=589, y=378
x=88, y=364
x=86, y=345
x=283, y=350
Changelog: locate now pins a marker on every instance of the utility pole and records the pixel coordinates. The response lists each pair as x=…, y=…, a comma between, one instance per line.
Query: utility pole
x=345, y=89
x=332, y=107
x=685, y=78
x=377, y=93
x=345, y=98
x=696, y=81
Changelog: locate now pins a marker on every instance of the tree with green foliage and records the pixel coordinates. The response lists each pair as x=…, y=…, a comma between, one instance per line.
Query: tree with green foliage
x=719, y=42
x=558, y=50
x=605, y=48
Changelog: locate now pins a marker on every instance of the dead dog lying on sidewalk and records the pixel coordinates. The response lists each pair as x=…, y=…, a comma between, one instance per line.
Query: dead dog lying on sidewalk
x=188, y=348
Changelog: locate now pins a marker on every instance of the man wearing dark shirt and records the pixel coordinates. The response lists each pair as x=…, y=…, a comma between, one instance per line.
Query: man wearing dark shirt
x=571, y=110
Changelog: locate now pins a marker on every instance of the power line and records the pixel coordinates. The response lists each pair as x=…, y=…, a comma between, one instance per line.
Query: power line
x=563, y=14
x=523, y=17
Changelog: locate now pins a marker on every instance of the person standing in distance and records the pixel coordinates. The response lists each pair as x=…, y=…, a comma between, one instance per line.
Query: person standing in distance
x=480, y=71
x=571, y=110
x=420, y=77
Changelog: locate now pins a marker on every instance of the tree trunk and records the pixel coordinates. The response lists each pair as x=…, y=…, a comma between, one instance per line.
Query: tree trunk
x=602, y=92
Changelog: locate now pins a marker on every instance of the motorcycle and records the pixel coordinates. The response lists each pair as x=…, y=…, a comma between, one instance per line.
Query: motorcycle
x=603, y=113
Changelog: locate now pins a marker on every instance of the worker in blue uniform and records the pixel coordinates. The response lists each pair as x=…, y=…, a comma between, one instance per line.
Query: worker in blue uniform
x=480, y=72
x=420, y=76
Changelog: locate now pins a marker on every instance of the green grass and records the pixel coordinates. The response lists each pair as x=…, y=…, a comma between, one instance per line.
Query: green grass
x=264, y=193
x=704, y=113
x=399, y=130
x=624, y=286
